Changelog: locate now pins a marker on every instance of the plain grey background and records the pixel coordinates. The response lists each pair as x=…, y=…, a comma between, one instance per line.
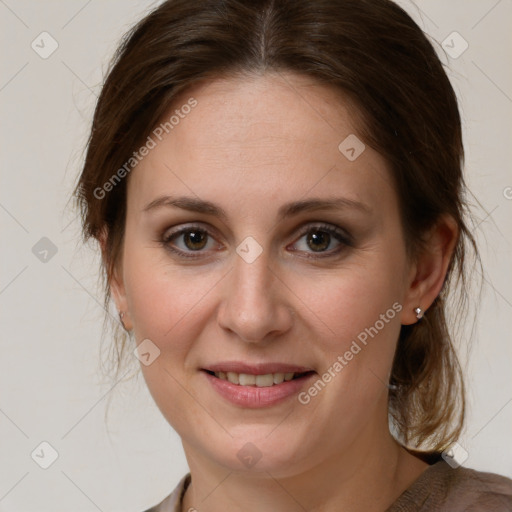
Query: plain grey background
x=51, y=389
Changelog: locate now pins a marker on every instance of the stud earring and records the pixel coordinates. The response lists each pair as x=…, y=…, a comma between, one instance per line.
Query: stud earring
x=419, y=313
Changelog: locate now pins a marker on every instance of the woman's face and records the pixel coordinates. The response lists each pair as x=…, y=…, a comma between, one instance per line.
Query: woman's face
x=274, y=246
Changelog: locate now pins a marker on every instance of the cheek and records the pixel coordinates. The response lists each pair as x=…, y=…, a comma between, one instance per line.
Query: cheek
x=164, y=300
x=356, y=313
x=344, y=303
x=357, y=320
x=168, y=306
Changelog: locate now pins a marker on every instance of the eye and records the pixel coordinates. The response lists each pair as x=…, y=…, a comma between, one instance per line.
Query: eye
x=323, y=239
x=188, y=240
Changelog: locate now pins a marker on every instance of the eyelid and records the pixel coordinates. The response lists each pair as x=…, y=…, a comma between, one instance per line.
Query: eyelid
x=168, y=233
x=330, y=228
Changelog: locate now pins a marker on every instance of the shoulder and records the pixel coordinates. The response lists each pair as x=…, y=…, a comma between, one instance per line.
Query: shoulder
x=479, y=491
x=172, y=503
x=440, y=488
x=446, y=489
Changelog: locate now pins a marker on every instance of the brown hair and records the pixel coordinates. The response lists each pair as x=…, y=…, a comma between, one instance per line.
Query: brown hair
x=372, y=52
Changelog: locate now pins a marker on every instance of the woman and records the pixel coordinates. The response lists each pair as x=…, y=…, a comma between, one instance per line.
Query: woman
x=276, y=187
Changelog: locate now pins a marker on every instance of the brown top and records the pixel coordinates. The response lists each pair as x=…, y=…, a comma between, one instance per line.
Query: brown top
x=439, y=488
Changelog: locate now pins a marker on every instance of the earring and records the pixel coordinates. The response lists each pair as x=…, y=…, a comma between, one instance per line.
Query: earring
x=419, y=313
x=121, y=315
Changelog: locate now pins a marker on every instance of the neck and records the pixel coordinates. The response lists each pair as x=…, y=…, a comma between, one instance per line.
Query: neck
x=368, y=476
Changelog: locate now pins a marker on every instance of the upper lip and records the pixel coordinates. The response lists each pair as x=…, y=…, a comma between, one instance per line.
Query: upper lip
x=257, y=368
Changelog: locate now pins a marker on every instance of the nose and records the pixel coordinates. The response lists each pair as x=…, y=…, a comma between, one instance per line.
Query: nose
x=254, y=305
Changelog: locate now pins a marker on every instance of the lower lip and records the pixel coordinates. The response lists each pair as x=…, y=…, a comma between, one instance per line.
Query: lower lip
x=254, y=397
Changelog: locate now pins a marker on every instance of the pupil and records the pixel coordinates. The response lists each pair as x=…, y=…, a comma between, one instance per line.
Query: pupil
x=319, y=240
x=195, y=240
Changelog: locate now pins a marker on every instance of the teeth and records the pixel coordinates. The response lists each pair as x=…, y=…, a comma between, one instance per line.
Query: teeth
x=278, y=378
x=233, y=377
x=264, y=381
x=246, y=380
x=260, y=381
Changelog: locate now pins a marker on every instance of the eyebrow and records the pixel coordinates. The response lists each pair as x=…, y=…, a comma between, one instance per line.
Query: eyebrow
x=287, y=210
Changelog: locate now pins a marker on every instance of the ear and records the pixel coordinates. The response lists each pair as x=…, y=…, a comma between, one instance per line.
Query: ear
x=115, y=282
x=428, y=271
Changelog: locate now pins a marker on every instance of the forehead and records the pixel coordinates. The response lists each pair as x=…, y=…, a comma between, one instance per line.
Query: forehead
x=268, y=136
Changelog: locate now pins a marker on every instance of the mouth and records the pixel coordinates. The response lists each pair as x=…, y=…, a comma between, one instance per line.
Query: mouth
x=257, y=385
x=259, y=381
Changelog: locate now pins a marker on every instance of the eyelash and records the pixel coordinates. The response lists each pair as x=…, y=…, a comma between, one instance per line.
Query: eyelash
x=340, y=235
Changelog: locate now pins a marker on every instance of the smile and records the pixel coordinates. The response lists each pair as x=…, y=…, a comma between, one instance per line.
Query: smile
x=257, y=391
x=260, y=381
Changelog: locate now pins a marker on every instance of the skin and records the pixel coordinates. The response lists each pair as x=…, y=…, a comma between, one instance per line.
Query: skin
x=251, y=145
